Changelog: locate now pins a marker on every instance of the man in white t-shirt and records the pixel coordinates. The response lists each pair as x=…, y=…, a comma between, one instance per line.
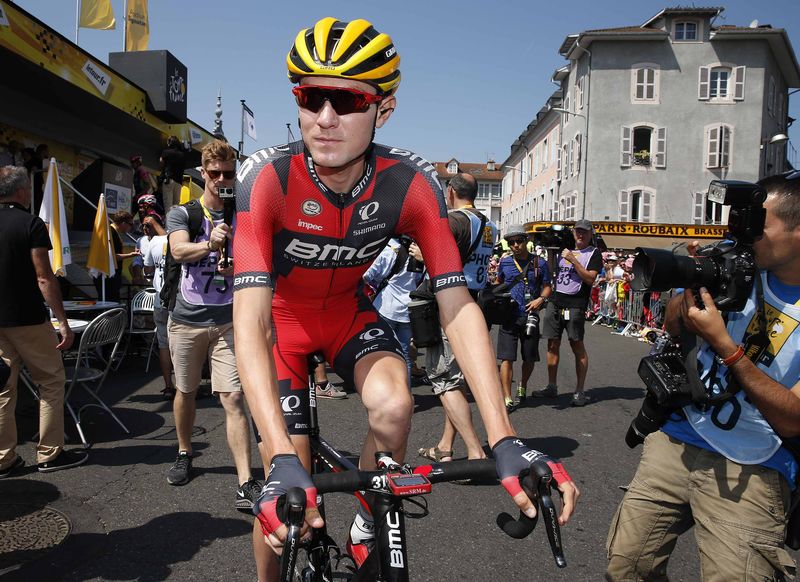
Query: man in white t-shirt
x=154, y=257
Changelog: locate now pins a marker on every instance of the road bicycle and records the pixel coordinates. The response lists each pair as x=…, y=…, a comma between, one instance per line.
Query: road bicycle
x=385, y=490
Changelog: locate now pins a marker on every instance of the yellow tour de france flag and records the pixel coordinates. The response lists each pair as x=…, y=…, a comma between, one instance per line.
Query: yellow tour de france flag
x=137, y=26
x=97, y=14
x=100, y=261
x=54, y=216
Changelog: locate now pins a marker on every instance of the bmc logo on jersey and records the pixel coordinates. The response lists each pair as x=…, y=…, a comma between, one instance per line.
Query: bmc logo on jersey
x=371, y=334
x=368, y=211
x=311, y=207
x=330, y=254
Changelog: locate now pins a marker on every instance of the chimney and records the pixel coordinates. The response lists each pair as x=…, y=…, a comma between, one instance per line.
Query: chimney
x=490, y=166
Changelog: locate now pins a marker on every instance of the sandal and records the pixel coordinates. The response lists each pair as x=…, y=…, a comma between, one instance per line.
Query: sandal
x=435, y=454
x=168, y=393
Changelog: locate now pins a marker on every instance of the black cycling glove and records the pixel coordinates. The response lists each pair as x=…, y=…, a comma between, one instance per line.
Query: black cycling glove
x=285, y=472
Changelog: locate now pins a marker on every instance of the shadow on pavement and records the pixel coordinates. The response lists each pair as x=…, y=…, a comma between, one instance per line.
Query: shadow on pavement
x=145, y=553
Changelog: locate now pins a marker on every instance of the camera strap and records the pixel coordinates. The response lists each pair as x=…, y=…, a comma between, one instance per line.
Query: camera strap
x=756, y=344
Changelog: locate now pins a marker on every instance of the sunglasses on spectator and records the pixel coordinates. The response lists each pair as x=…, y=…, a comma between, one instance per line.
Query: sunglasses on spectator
x=227, y=174
x=344, y=101
x=517, y=241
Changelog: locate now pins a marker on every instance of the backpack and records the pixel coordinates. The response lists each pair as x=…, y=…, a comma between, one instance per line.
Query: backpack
x=172, y=268
x=399, y=264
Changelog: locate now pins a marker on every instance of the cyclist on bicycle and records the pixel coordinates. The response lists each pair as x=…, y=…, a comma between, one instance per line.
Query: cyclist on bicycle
x=311, y=217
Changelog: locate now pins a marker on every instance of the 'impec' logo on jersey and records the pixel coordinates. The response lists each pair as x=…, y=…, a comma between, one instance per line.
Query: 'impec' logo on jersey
x=311, y=207
x=368, y=210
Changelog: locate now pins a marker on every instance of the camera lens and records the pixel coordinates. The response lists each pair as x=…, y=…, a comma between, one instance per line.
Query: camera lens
x=651, y=417
x=661, y=270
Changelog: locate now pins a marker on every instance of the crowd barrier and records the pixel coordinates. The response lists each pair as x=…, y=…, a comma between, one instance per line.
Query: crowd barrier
x=631, y=313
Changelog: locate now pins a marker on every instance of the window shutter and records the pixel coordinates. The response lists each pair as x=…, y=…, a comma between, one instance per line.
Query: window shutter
x=647, y=207
x=558, y=162
x=697, y=208
x=738, y=84
x=624, y=198
x=626, y=147
x=703, y=89
x=712, y=148
x=635, y=84
x=650, y=83
x=661, y=147
x=725, y=146
x=578, y=154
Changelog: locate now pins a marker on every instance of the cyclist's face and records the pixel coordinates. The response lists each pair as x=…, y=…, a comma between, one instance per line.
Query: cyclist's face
x=336, y=140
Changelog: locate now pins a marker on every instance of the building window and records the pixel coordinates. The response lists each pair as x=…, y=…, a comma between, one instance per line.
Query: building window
x=568, y=204
x=771, y=97
x=576, y=169
x=545, y=153
x=686, y=31
x=644, y=145
x=452, y=167
x=721, y=82
x=718, y=146
x=705, y=211
x=636, y=205
x=579, y=84
x=644, y=83
x=555, y=212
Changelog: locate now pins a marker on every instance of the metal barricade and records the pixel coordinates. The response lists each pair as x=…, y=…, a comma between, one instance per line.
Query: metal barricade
x=631, y=313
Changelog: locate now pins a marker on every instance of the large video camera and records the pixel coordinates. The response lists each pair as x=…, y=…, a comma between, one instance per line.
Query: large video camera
x=728, y=271
x=556, y=236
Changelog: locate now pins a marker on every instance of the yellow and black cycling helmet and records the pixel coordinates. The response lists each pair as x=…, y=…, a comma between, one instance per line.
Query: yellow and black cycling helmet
x=349, y=50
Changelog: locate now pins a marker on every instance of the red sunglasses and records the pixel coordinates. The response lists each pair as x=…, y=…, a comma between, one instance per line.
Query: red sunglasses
x=344, y=101
x=227, y=174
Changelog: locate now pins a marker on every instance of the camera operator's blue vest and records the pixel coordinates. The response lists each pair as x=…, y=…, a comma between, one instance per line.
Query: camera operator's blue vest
x=736, y=428
x=477, y=264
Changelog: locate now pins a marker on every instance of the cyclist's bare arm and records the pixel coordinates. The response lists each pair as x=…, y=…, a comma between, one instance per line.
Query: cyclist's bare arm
x=465, y=327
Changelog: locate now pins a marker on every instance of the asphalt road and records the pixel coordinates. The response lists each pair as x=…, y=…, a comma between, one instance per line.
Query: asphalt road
x=129, y=524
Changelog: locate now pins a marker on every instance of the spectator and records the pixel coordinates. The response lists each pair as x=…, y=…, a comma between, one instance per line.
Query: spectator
x=529, y=279
x=11, y=155
x=153, y=259
x=143, y=184
x=121, y=224
x=392, y=281
x=201, y=325
x=475, y=236
x=173, y=162
x=727, y=470
x=577, y=270
x=26, y=334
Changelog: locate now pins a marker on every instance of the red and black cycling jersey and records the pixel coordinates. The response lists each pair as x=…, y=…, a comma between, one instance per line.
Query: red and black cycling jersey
x=313, y=245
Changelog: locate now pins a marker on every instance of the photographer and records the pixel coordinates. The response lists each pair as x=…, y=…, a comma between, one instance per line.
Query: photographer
x=725, y=468
x=575, y=276
x=529, y=279
x=173, y=163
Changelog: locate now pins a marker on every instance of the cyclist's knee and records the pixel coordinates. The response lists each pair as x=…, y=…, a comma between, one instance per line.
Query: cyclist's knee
x=391, y=407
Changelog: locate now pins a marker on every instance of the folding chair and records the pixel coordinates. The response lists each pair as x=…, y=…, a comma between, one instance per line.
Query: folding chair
x=106, y=329
x=141, y=307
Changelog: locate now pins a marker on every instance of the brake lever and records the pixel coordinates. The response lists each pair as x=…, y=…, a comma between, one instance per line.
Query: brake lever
x=540, y=495
x=291, y=510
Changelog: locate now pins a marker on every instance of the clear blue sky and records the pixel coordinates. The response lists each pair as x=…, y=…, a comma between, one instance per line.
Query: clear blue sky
x=474, y=73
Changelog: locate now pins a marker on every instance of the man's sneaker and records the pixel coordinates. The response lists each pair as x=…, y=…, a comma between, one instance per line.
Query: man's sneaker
x=510, y=405
x=12, y=468
x=360, y=540
x=330, y=390
x=550, y=391
x=521, y=393
x=64, y=460
x=247, y=494
x=178, y=473
x=581, y=399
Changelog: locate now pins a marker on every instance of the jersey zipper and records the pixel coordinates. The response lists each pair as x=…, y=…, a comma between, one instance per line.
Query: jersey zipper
x=340, y=204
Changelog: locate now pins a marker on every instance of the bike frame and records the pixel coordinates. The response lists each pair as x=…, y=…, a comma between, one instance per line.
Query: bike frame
x=388, y=561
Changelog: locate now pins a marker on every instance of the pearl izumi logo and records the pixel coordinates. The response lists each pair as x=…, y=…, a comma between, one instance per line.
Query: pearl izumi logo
x=371, y=334
x=311, y=208
x=368, y=210
x=96, y=76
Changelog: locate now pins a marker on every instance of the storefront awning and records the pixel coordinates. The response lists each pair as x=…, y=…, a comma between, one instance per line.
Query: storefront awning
x=628, y=242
